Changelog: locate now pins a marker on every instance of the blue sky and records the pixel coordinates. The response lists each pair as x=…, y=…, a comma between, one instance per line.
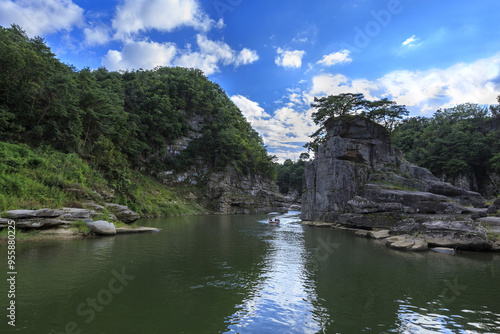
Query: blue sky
x=272, y=57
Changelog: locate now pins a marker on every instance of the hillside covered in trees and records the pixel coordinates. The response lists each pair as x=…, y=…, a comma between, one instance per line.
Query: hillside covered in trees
x=460, y=145
x=110, y=128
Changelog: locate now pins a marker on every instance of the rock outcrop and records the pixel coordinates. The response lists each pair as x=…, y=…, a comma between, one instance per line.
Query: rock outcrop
x=61, y=220
x=102, y=227
x=359, y=180
x=230, y=192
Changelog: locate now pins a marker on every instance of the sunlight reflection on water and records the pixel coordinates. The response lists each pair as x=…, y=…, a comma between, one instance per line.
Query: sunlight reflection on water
x=283, y=301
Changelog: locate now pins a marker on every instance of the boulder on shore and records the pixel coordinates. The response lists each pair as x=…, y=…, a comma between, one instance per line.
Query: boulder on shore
x=102, y=227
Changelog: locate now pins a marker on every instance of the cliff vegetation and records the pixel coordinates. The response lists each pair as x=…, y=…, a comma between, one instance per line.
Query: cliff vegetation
x=112, y=136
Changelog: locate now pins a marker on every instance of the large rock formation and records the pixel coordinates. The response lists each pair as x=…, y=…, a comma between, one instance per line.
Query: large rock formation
x=359, y=180
x=230, y=192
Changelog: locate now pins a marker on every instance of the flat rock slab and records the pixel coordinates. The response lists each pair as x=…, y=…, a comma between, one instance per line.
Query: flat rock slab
x=59, y=231
x=490, y=221
x=21, y=214
x=40, y=223
x=48, y=213
x=383, y=234
x=318, y=224
x=407, y=243
x=443, y=250
x=126, y=230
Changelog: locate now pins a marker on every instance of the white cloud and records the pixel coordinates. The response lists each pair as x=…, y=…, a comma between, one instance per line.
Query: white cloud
x=214, y=53
x=329, y=84
x=412, y=41
x=475, y=82
x=165, y=15
x=41, y=17
x=424, y=91
x=135, y=55
x=97, y=35
x=289, y=128
x=290, y=59
x=340, y=57
x=250, y=109
x=246, y=56
x=148, y=55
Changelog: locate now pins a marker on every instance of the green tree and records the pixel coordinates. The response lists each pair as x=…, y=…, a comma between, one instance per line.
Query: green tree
x=386, y=112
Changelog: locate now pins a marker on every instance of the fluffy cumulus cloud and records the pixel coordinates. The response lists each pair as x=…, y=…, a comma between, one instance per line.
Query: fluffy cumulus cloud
x=250, y=109
x=289, y=59
x=134, y=16
x=285, y=132
x=422, y=91
x=334, y=84
x=41, y=17
x=148, y=55
x=246, y=56
x=142, y=54
x=340, y=57
x=212, y=54
x=97, y=34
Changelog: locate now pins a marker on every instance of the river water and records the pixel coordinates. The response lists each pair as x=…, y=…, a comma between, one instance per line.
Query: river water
x=238, y=274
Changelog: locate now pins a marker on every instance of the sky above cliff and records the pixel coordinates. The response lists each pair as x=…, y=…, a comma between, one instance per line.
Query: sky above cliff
x=272, y=57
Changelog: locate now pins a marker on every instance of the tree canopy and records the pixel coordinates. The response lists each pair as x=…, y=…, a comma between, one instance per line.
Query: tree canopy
x=463, y=141
x=385, y=112
x=120, y=120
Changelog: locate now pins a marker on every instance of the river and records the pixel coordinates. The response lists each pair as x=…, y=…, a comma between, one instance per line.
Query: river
x=238, y=274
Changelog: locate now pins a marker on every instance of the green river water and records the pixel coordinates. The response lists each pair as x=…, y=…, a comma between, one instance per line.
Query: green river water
x=238, y=274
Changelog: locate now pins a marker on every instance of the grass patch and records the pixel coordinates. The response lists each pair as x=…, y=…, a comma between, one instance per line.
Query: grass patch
x=44, y=178
x=32, y=179
x=20, y=235
x=80, y=227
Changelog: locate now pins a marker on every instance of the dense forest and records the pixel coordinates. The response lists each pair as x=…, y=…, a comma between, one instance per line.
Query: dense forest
x=121, y=124
x=460, y=145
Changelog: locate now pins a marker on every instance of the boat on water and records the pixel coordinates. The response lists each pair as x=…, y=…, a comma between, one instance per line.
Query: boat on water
x=273, y=218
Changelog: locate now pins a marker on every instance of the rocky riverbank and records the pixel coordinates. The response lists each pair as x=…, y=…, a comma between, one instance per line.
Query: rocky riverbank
x=358, y=180
x=93, y=220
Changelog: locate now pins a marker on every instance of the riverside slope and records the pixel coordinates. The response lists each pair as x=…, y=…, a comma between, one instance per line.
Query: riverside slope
x=360, y=180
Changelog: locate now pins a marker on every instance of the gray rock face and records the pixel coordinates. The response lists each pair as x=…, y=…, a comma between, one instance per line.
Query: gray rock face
x=359, y=180
x=495, y=207
x=230, y=192
x=457, y=234
x=123, y=213
x=20, y=214
x=40, y=223
x=102, y=227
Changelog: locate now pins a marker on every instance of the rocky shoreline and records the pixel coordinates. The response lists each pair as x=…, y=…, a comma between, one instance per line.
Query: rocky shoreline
x=93, y=220
x=359, y=181
x=405, y=242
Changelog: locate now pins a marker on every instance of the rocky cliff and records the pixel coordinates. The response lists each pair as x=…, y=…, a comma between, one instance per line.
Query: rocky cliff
x=232, y=192
x=359, y=180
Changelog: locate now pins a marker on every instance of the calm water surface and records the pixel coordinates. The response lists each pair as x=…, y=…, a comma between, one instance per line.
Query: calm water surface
x=237, y=274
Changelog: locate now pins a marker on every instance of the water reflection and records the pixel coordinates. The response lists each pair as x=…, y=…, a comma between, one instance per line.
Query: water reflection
x=284, y=300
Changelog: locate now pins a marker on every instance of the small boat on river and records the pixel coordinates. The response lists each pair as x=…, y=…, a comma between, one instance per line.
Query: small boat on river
x=273, y=218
